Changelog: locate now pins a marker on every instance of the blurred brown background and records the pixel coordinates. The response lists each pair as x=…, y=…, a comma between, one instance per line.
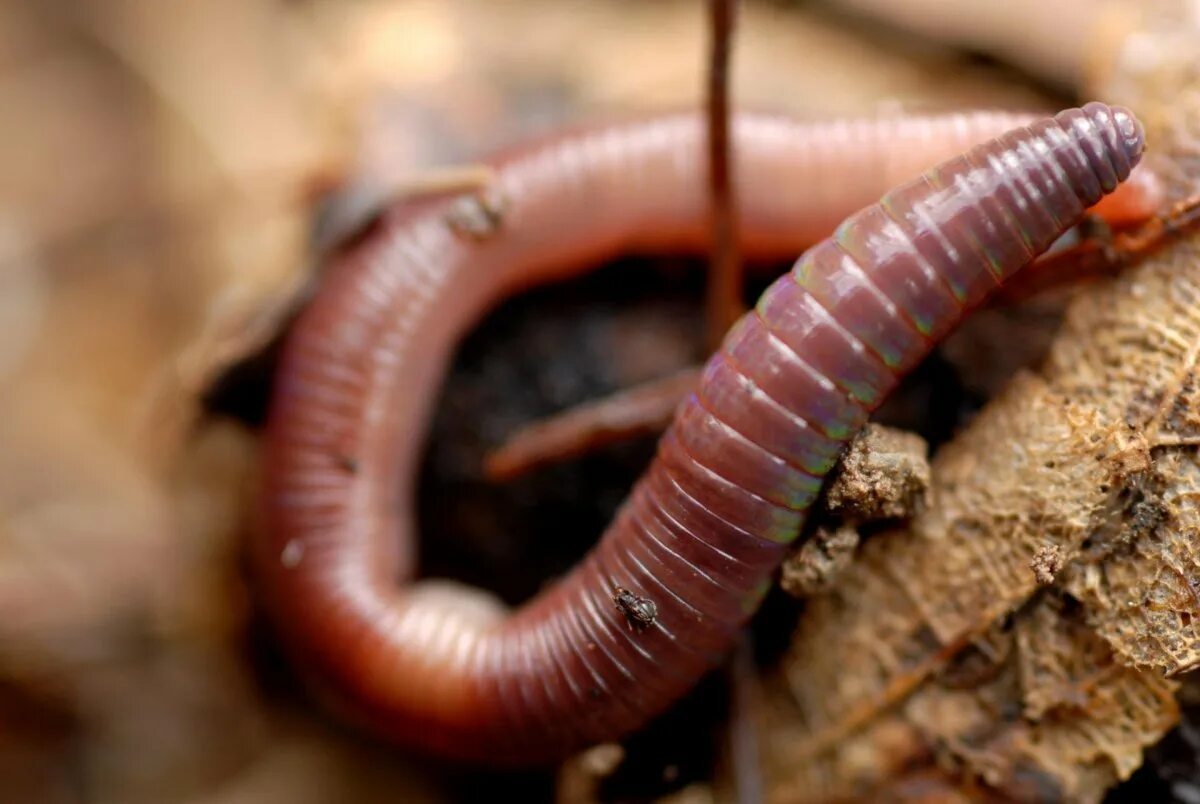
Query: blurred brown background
x=161, y=166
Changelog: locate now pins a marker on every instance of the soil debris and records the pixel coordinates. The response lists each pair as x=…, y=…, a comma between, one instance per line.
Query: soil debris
x=815, y=567
x=1046, y=563
x=883, y=475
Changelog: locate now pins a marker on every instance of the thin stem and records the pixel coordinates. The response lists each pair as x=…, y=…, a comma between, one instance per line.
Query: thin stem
x=745, y=756
x=725, y=273
x=645, y=409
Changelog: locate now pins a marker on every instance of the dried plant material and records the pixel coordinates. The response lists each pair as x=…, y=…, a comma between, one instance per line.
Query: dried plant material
x=122, y=610
x=1085, y=718
x=815, y=567
x=305, y=764
x=1095, y=459
x=1028, y=32
x=86, y=552
x=910, y=602
x=1131, y=350
x=893, y=635
x=692, y=794
x=478, y=216
x=1046, y=563
x=883, y=475
x=579, y=777
x=882, y=753
x=1054, y=717
x=77, y=126
x=348, y=213
x=986, y=350
x=268, y=127
x=1139, y=363
x=163, y=210
x=645, y=409
x=1145, y=596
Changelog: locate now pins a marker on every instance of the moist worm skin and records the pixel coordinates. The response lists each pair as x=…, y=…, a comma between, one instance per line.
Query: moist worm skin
x=445, y=668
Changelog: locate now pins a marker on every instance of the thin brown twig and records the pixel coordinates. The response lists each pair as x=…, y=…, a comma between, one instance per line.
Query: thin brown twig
x=650, y=407
x=642, y=410
x=745, y=754
x=725, y=272
x=1102, y=255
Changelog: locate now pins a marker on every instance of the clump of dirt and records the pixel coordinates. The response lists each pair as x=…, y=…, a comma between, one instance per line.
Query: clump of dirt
x=817, y=564
x=884, y=475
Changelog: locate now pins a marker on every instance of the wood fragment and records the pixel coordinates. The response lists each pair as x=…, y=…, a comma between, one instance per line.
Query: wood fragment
x=643, y=410
x=725, y=304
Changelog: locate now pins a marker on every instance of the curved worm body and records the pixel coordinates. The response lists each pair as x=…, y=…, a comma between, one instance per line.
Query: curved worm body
x=694, y=548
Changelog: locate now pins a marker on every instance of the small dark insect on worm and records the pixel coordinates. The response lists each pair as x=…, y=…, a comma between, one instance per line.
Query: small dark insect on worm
x=639, y=611
x=444, y=668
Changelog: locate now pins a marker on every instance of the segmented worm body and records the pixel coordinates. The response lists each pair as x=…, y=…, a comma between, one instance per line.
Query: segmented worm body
x=689, y=556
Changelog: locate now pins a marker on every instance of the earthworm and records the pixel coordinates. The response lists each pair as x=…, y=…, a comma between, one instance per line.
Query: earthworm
x=441, y=667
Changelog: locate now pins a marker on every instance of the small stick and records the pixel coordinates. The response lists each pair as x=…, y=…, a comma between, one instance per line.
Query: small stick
x=645, y=409
x=1100, y=255
x=745, y=754
x=725, y=272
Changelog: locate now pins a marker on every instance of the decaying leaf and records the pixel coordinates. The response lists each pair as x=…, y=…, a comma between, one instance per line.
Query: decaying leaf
x=935, y=660
x=1037, y=709
x=913, y=599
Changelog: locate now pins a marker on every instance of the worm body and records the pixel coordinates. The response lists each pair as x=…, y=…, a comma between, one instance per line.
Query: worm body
x=693, y=550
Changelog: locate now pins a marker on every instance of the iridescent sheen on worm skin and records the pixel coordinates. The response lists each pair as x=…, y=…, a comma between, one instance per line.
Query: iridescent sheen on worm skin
x=444, y=668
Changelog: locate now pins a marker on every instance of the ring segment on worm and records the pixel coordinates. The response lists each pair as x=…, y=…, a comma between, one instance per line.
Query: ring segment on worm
x=689, y=556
